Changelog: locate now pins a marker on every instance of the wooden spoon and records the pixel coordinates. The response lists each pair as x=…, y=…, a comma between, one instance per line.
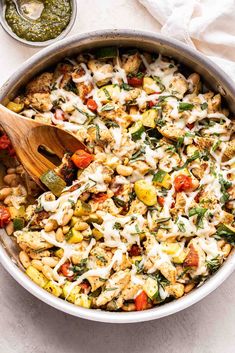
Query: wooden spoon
x=28, y=135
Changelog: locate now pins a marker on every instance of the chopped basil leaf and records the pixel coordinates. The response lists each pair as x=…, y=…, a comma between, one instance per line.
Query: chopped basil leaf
x=117, y=225
x=126, y=87
x=181, y=227
x=224, y=185
x=226, y=232
x=110, y=124
x=101, y=258
x=159, y=176
x=118, y=202
x=216, y=145
x=106, y=92
x=162, y=220
x=213, y=264
x=200, y=212
x=107, y=107
x=204, y=106
x=185, y=106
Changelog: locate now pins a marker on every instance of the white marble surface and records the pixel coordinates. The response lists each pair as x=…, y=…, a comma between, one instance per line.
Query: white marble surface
x=30, y=326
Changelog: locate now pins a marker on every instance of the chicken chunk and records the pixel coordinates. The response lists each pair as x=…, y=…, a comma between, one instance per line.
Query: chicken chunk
x=102, y=73
x=33, y=240
x=41, y=84
x=230, y=149
x=171, y=132
x=131, y=63
x=178, y=86
x=176, y=290
x=39, y=101
x=114, y=286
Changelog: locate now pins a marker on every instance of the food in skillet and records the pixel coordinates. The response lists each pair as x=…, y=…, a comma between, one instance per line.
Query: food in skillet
x=148, y=213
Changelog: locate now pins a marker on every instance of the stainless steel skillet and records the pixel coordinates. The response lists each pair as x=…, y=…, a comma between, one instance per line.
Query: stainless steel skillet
x=210, y=73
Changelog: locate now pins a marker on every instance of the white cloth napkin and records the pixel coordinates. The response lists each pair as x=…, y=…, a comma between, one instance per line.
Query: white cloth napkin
x=206, y=25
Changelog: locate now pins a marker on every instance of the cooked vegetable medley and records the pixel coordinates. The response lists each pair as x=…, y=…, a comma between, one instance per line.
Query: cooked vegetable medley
x=147, y=213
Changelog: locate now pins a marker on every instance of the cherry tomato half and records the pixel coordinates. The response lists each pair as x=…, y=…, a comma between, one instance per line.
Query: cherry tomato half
x=135, y=250
x=135, y=81
x=161, y=200
x=100, y=197
x=65, y=270
x=5, y=143
x=82, y=159
x=92, y=105
x=5, y=216
x=183, y=183
x=141, y=301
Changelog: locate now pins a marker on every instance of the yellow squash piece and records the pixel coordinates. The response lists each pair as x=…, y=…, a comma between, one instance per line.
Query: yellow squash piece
x=15, y=107
x=83, y=300
x=70, y=293
x=53, y=289
x=17, y=212
x=109, y=93
x=162, y=178
x=150, y=85
x=179, y=259
x=36, y=276
x=151, y=288
x=97, y=234
x=170, y=248
x=145, y=192
x=149, y=118
x=178, y=256
x=59, y=253
x=82, y=209
x=233, y=167
x=75, y=237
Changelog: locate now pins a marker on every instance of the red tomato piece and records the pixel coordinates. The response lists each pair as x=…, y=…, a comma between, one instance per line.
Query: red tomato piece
x=5, y=143
x=190, y=126
x=151, y=104
x=141, y=301
x=192, y=259
x=59, y=114
x=92, y=105
x=197, y=198
x=64, y=269
x=100, y=197
x=135, y=81
x=135, y=250
x=182, y=183
x=5, y=216
x=82, y=159
x=161, y=200
x=85, y=287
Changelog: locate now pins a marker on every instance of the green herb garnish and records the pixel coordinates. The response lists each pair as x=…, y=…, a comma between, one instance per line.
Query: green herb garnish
x=185, y=106
x=213, y=264
x=118, y=202
x=107, y=107
x=200, y=212
x=204, y=106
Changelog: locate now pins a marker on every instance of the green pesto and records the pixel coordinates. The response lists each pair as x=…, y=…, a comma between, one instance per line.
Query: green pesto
x=54, y=18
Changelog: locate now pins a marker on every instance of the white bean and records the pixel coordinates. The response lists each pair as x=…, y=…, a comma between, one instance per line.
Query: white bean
x=4, y=193
x=24, y=259
x=124, y=170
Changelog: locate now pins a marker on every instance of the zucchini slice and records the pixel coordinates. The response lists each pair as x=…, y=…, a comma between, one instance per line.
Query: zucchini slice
x=226, y=232
x=106, y=53
x=53, y=182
